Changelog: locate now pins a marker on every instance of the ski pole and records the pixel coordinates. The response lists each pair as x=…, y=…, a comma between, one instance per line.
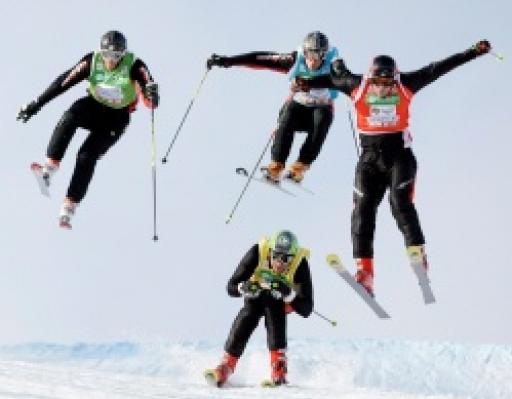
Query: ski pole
x=153, y=167
x=331, y=322
x=164, y=159
x=351, y=123
x=228, y=219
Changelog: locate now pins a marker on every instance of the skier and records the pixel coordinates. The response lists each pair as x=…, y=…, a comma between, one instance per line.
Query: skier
x=274, y=279
x=116, y=77
x=381, y=100
x=311, y=111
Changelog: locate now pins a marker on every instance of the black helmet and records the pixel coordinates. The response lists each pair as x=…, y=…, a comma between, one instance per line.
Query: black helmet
x=284, y=242
x=316, y=41
x=383, y=66
x=113, y=40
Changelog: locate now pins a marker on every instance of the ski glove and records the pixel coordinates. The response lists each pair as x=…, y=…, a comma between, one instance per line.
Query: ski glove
x=151, y=93
x=338, y=68
x=218, y=60
x=280, y=290
x=249, y=289
x=482, y=47
x=28, y=111
x=299, y=84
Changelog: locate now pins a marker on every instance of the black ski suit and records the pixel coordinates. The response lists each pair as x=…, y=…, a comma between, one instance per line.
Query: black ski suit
x=293, y=116
x=385, y=162
x=105, y=124
x=266, y=306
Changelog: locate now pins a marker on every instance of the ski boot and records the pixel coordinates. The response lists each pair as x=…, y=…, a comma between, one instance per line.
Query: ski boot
x=296, y=171
x=272, y=172
x=220, y=374
x=364, y=274
x=278, y=366
x=417, y=254
x=67, y=211
x=43, y=174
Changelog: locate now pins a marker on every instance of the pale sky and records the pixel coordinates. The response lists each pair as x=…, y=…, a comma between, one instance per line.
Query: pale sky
x=107, y=280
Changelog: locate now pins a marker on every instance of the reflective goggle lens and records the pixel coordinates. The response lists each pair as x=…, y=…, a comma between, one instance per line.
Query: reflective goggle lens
x=112, y=54
x=283, y=257
x=382, y=80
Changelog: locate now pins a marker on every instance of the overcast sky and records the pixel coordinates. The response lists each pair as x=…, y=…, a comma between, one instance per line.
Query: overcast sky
x=107, y=280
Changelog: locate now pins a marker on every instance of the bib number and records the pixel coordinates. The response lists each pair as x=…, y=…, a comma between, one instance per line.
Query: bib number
x=383, y=115
x=110, y=94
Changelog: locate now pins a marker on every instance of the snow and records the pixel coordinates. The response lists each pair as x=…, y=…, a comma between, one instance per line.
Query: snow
x=351, y=369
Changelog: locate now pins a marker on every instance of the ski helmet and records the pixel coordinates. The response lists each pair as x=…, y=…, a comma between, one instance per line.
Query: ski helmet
x=316, y=42
x=113, y=40
x=284, y=242
x=383, y=66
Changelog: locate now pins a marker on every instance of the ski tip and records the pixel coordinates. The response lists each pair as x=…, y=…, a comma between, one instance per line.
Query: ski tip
x=333, y=259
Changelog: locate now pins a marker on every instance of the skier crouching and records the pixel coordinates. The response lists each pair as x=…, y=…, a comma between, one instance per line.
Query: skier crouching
x=381, y=99
x=274, y=279
x=115, y=78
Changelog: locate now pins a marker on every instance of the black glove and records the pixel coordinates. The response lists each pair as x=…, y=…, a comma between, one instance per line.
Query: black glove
x=249, y=289
x=338, y=68
x=218, y=60
x=28, y=111
x=279, y=289
x=482, y=47
x=151, y=93
x=300, y=84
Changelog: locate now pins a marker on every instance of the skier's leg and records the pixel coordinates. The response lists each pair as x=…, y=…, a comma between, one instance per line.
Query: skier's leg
x=61, y=137
x=369, y=188
x=289, y=116
x=322, y=118
x=275, y=323
x=95, y=146
x=243, y=326
x=401, y=197
x=73, y=118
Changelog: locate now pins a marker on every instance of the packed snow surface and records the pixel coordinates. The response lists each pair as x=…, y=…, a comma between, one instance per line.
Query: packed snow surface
x=349, y=369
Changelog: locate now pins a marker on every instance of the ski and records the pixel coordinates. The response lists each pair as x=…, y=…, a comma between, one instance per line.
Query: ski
x=418, y=268
x=43, y=183
x=335, y=262
x=243, y=172
x=298, y=185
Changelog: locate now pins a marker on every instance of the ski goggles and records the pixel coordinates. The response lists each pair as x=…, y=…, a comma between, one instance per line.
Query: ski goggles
x=314, y=54
x=382, y=80
x=282, y=256
x=112, y=54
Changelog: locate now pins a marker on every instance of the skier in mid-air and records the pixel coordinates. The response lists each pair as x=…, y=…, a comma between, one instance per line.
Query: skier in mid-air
x=310, y=111
x=116, y=77
x=381, y=99
x=274, y=279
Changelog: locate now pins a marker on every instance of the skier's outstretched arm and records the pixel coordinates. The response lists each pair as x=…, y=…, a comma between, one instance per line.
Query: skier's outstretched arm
x=416, y=80
x=244, y=270
x=256, y=60
x=303, y=301
x=63, y=82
